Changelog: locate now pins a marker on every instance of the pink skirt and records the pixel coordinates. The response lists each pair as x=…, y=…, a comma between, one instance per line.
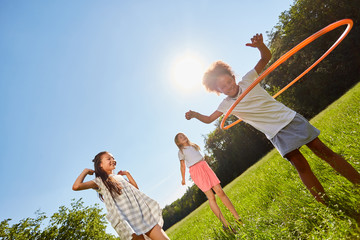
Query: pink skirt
x=203, y=176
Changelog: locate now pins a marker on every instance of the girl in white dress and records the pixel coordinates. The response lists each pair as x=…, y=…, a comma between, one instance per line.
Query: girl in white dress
x=131, y=213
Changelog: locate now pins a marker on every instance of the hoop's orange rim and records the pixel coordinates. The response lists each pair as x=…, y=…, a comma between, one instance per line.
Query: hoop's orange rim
x=284, y=57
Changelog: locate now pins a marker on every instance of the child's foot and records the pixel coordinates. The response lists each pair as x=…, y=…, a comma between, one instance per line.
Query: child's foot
x=324, y=199
x=239, y=222
x=229, y=229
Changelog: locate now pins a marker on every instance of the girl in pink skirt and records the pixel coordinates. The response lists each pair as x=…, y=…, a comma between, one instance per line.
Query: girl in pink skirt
x=203, y=176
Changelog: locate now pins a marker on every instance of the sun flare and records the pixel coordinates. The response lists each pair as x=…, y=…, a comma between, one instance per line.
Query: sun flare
x=187, y=71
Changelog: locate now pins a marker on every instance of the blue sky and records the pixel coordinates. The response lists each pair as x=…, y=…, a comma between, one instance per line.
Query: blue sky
x=80, y=77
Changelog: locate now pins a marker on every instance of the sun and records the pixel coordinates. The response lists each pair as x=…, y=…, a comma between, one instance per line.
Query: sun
x=187, y=71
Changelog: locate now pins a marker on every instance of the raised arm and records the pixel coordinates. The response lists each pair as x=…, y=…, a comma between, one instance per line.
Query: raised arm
x=131, y=179
x=257, y=42
x=205, y=119
x=182, y=170
x=79, y=183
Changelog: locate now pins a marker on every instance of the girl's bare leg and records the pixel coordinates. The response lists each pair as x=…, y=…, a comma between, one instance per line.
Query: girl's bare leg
x=157, y=233
x=335, y=160
x=215, y=208
x=306, y=175
x=137, y=237
x=226, y=201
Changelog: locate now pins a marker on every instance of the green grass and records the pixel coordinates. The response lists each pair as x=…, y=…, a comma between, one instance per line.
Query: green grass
x=274, y=203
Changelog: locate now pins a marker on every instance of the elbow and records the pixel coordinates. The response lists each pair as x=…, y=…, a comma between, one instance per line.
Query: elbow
x=208, y=120
x=268, y=60
x=75, y=187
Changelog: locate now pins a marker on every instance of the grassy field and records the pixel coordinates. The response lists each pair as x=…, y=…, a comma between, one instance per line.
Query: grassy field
x=273, y=202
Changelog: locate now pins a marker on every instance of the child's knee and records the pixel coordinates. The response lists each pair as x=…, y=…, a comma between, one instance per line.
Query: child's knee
x=137, y=237
x=211, y=198
x=303, y=168
x=292, y=155
x=299, y=162
x=220, y=193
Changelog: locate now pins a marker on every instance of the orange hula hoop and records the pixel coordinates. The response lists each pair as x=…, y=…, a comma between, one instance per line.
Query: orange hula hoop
x=284, y=57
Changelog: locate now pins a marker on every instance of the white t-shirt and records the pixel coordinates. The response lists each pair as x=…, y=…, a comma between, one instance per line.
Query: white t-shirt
x=258, y=108
x=190, y=155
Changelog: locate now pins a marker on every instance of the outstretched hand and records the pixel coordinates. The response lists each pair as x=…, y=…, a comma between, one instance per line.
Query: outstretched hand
x=190, y=114
x=256, y=40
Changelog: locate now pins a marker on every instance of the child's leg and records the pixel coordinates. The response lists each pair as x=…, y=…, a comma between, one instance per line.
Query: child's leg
x=306, y=175
x=137, y=237
x=215, y=208
x=157, y=233
x=226, y=201
x=335, y=160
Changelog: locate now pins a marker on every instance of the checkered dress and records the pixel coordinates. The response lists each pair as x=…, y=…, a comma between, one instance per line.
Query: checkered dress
x=131, y=211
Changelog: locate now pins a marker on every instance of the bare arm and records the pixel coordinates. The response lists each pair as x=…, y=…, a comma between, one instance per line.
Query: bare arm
x=257, y=42
x=131, y=179
x=203, y=118
x=182, y=170
x=79, y=183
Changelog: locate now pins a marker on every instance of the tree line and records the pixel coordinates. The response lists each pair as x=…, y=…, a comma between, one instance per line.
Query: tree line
x=231, y=152
x=74, y=223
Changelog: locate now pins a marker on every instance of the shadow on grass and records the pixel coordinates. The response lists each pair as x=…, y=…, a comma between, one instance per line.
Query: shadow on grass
x=346, y=208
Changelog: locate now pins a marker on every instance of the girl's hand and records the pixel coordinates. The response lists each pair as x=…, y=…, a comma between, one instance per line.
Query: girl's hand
x=190, y=114
x=122, y=173
x=256, y=41
x=89, y=171
x=183, y=182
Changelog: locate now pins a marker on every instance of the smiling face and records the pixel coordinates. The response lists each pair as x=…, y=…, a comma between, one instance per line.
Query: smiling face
x=226, y=84
x=182, y=139
x=108, y=163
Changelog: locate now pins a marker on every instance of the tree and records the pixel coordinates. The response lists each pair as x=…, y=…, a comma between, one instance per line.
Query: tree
x=28, y=228
x=77, y=222
x=331, y=78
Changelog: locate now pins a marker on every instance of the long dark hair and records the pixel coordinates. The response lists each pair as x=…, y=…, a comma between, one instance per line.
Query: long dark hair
x=111, y=184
